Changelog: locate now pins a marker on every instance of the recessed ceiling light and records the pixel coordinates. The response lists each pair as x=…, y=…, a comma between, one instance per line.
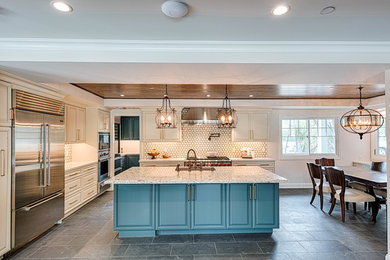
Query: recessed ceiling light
x=280, y=10
x=122, y=95
x=62, y=6
x=174, y=9
x=328, y=10
x=250, y=95
x=207, y=95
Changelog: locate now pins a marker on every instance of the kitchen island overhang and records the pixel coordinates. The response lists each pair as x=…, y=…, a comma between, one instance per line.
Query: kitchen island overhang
x=160, y=200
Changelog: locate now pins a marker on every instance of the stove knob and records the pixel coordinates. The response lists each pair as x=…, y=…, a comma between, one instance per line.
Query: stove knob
x=224, y=164
x=212, y=164
x=204, y=164
x=228, y=164
x=188, y=164
x=197, y=164
x=220, y=164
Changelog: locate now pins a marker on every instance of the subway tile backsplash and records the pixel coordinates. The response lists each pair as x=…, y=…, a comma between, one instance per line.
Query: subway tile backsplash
x=196, y=137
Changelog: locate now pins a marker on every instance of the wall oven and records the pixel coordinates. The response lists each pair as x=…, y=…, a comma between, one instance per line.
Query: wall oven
x=104, y=141
x=103, y=163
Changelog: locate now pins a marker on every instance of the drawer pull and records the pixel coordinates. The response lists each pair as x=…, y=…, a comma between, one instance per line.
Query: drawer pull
x=74, y=174
x=89, y=193
x=90, y=179
x=74, y=186
x=73, y=202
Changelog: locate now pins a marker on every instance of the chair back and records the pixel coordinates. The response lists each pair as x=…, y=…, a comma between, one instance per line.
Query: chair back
x=315, y=172
x=379, y=166
x=325, y=162
x=335, y=176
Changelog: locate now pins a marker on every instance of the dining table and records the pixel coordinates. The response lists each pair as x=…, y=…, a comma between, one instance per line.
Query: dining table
x=371, y=179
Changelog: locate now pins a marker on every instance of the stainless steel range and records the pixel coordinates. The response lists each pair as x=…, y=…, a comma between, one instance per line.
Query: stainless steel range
x=216, y=161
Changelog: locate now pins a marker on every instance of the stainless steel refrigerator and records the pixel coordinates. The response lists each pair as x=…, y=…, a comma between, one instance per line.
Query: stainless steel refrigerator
x=37, y=165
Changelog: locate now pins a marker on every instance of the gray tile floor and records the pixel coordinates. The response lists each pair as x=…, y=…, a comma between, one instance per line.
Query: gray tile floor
x=305, y=233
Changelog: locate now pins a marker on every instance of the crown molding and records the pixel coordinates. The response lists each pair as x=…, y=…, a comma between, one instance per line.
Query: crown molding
x=80, y=50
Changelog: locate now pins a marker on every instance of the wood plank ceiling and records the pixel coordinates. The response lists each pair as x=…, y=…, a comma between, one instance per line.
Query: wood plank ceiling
x=202, y=91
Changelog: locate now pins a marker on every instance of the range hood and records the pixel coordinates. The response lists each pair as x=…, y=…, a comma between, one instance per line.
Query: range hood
x=199, y=115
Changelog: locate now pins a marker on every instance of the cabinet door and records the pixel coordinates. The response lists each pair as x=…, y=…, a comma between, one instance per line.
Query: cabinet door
x=266, y=205
x=240, y=206
x=70, y=121
x=80, y=125
x=5, y=190
x=149, y=128
x=134, y=207
x=208, y=206
x=259, y=126
x=5, y=104
x=106, y=121
x=173, y=207
x=100, y=121
x=129, y=128
x=242, y=130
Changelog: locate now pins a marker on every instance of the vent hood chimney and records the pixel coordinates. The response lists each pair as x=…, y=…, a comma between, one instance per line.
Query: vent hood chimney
x=199, y=115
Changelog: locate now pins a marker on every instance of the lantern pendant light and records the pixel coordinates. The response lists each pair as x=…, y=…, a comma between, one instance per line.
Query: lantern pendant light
x=166, y=116
x=361, y=120
x=227, y=116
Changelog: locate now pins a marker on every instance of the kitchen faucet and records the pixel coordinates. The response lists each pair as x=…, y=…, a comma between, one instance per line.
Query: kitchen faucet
x=191, y=158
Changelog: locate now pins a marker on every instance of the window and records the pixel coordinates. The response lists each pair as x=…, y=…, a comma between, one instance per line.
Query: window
x=381, y=140
x=308, y=136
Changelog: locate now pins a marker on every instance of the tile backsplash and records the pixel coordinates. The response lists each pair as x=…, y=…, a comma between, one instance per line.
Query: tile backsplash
x=196, y=137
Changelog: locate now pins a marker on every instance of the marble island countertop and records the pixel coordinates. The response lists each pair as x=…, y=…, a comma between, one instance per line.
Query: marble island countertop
x=177, y=159
x=168, y=175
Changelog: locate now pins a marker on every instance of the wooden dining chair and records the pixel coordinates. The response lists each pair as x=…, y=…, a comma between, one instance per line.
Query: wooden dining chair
x=319, y=182
x=336, y=177
x=325, y=162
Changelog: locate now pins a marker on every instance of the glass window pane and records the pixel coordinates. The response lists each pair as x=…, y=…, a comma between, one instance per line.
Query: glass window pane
x=285, y=123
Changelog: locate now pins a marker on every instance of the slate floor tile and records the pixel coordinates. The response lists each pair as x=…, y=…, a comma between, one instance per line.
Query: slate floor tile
x=218, y=257
x=253, y=237
x=238, y=248
x=132, y=240
x=213, y=238
x=193, y=249
x=173, y=239
x=148, y=250
x=55, y=252
x=281, y=247
x=102, y=251
x=266, y=257
x=324, y=246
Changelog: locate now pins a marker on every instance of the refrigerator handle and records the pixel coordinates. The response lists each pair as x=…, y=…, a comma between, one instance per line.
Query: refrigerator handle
x=41, y=157
x=44, y=157
x=36, y=204
x=48, y=155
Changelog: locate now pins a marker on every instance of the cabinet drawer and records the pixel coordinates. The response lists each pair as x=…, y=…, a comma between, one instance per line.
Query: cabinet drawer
x=72, y=186
x=88, y=192
x=72, y=202
x=88, y=170
x=89, y=179
x=72, y=175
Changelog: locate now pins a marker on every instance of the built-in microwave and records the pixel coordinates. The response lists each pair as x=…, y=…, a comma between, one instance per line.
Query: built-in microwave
x=104, y=141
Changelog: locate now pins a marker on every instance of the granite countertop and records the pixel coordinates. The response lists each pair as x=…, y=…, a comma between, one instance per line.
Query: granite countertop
x=252, y=159
x=168, y=175
x=159, y=160
x=74, y=165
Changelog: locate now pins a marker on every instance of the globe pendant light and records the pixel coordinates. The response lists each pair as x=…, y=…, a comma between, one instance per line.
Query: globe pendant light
x=166, y=116
x=361, y=120
x=227, y=116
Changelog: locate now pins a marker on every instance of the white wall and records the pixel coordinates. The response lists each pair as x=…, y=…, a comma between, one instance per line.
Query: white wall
x=350, y=147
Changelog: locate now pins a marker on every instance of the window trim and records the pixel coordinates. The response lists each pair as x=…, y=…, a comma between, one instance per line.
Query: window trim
x=374, y=145
x=309, y=156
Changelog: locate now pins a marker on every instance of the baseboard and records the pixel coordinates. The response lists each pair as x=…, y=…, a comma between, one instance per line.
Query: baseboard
x=388, y=256
x=292, y=185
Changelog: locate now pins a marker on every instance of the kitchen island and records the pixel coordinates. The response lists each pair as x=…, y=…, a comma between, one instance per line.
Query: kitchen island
x=160, y=200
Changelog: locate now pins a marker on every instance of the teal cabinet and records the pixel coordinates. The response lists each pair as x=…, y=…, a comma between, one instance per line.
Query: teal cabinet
x=134, y=207
x=173, y=206
x=129, y=128
x=239, y=205
x=208, y=206
x=266, y=205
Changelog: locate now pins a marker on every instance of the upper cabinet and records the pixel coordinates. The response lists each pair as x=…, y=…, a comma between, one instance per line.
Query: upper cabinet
x=103, y=121
x=150, y=132
x=252, y=126
x=129, y=128
x=75, y=124
x=5, y=104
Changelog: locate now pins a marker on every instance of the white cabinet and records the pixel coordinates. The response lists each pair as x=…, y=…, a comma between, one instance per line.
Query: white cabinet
x=268, y=165
x=252, y=126
x=103, y=121
x=5, y=190
x=75, y=124
x=5, y=104
x=150, y=133
x=81, y=185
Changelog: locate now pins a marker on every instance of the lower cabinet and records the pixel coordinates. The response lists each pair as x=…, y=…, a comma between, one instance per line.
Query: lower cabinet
x=135, y=207
x=142, y=210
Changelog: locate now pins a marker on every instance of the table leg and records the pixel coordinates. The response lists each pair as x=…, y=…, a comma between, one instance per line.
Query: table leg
x=374, y=205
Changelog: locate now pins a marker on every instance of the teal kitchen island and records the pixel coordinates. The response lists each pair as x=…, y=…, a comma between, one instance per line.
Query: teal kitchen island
x=160, y=200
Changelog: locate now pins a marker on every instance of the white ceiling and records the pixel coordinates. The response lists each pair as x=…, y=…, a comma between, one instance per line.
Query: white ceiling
x=147, y=73
x=249, y=20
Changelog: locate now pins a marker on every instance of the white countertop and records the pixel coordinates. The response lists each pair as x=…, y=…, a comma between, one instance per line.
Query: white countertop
x=162, y=160
x=74, y=165
x=168, y=175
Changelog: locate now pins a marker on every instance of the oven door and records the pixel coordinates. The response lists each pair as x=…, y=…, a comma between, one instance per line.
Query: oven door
x=103, y=169
x=104, y=141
